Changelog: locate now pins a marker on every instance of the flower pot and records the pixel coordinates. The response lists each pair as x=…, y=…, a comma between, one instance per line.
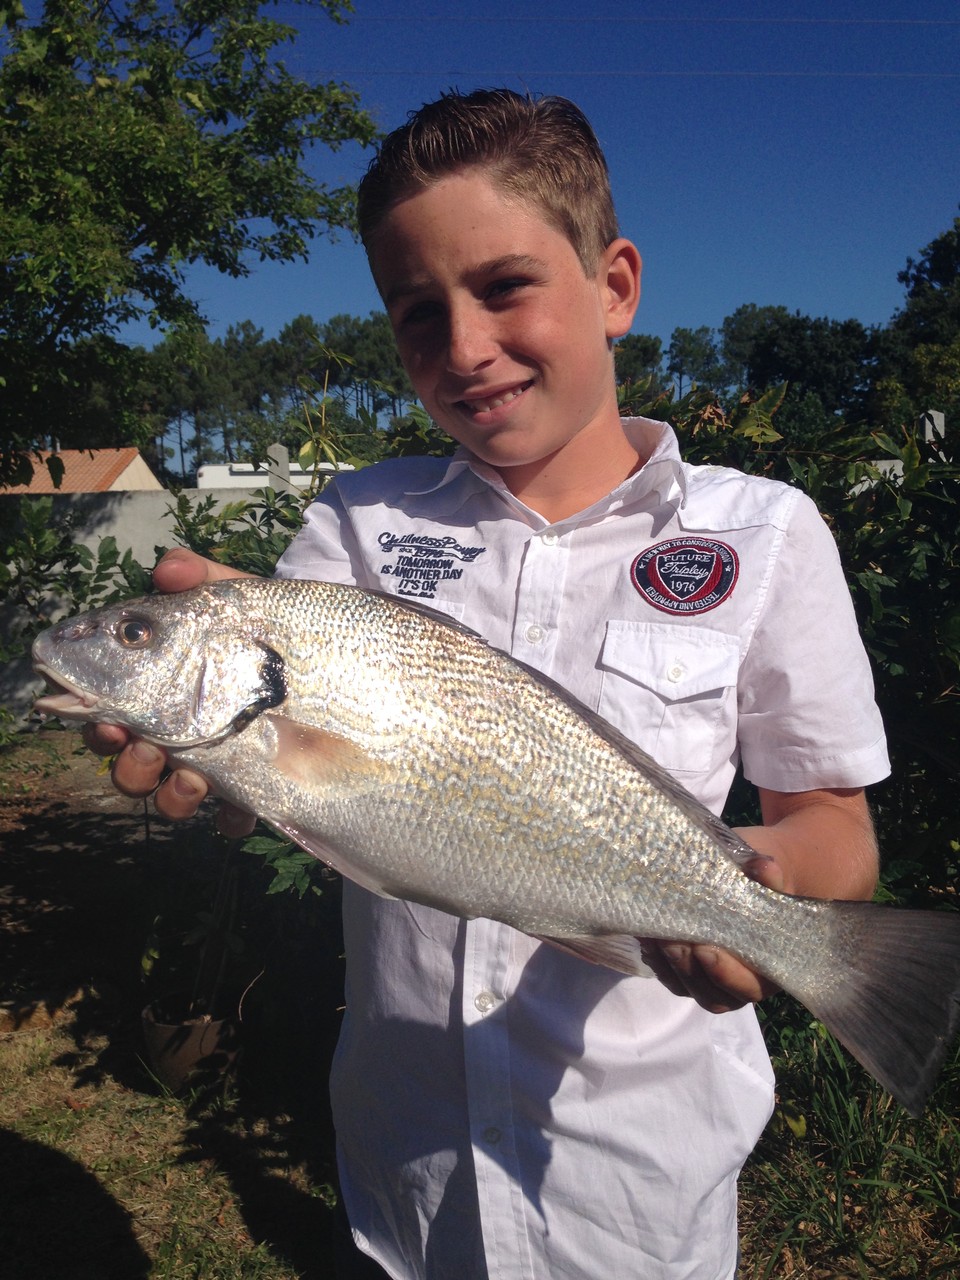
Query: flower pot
x=184, y=1049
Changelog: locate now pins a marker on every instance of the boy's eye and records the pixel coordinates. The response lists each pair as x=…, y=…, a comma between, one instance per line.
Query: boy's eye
x=420, y=313
x=502, y=288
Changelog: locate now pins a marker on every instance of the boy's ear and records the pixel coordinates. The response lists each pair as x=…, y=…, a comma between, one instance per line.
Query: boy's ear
x=619, y=274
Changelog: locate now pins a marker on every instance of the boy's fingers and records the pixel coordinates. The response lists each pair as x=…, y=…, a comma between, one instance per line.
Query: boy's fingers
x=703, y=972
x=655, y=960
x=138, y=768
x=180, y=795
x=137, y=771
x=104, y=739
x=234, y=822
x=180, y=569
x=766, y=871
x=713, y=977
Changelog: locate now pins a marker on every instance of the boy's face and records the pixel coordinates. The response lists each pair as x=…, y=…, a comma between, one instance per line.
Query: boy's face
x=504, y=337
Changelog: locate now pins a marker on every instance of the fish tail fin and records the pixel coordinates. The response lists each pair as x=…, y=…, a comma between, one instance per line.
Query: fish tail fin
x=895, y=1003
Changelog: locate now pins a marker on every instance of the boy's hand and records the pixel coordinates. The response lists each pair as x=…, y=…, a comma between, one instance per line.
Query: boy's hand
x=817, y=843
x=713, y=977
x=139, y=765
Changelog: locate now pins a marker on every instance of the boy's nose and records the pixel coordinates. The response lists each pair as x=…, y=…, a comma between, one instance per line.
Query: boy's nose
x=470, y=344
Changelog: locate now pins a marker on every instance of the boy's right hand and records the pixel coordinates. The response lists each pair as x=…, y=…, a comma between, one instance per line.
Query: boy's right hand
x=139, y=766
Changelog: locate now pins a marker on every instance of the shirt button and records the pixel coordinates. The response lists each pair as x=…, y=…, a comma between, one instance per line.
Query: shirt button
x=533, y=633
x=676, y=672
x=485, y=1001
x=492, y=1135
x=550, y=539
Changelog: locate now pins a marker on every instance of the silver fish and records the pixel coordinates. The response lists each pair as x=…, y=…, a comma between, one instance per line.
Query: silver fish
x=423, y=764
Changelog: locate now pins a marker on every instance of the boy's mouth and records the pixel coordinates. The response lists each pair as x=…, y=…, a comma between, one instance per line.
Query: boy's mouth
x=498, y=399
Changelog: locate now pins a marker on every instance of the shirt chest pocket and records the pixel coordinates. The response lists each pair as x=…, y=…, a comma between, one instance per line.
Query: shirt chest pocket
x=672, y=690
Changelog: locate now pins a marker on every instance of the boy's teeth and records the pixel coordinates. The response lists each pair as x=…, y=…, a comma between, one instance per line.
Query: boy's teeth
x=482, y=406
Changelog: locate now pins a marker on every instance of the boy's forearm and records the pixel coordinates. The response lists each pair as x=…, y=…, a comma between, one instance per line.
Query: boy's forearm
x=819, y=844
x=823, y=841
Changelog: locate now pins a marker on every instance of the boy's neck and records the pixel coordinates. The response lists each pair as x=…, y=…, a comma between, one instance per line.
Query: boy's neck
x=583, y=472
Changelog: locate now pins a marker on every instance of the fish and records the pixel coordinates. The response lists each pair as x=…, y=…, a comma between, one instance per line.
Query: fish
x=421, y=762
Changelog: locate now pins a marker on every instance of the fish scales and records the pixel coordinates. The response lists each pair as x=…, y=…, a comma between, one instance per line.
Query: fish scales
x=415, y=759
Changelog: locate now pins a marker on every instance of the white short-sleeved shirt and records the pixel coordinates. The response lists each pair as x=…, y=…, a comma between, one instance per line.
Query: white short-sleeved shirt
x=502, y=1108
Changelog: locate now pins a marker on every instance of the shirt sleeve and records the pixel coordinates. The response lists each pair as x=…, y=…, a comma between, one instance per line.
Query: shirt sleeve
x=326, y=548
x=807, y=717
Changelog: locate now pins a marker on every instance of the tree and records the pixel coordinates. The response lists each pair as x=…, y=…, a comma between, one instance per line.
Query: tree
x=740, y=335
x=931, y=314
x=692, y=357
x=826, y=363
x=919, y=352
x=140, y=137
x=366, y=362
x=638, y=358
x=171, y=398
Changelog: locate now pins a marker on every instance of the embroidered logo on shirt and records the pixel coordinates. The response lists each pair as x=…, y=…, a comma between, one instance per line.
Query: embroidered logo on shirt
x=423, y=561
x=686, y=575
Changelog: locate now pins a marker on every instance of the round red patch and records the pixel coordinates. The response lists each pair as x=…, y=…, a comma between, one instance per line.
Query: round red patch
x=686, y=575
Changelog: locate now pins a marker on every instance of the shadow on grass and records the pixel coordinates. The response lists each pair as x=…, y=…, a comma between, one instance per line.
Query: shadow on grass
x=271, y=1132
x=57, y=1219
x=79, y=891
x=79, y=894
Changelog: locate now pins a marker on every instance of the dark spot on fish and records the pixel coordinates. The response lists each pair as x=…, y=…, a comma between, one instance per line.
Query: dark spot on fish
x=274, y=676
x=273, y=688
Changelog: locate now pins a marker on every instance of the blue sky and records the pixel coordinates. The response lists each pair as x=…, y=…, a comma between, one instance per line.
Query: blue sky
x=793, y=154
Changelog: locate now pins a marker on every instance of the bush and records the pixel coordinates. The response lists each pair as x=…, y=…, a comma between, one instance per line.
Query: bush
x=44, y=573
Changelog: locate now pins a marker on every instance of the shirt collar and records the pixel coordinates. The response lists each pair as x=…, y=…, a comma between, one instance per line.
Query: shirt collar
x=661, y=477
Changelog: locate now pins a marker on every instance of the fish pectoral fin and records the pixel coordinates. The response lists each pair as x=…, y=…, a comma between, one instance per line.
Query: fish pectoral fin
x=315, y=846
x=617, y=951
x=329, y=766
x=321, y=761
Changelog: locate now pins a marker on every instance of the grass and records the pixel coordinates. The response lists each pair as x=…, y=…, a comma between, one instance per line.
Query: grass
x=844, y=1183
x=104, y=1175
x=102, y=1179
x=26, y=762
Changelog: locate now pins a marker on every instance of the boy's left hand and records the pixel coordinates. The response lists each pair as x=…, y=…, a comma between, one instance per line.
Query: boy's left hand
x=713, y=977
x=818, y=843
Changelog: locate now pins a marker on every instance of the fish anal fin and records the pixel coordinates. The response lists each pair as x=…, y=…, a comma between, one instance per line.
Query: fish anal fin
x=314, y=845
x=617, y=951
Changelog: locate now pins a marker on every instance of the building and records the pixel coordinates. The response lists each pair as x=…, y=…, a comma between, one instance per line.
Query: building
x=90, y=471
x=244, y=475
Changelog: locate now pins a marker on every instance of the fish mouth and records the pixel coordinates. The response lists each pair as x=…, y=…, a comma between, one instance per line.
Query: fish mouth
x=63, y=699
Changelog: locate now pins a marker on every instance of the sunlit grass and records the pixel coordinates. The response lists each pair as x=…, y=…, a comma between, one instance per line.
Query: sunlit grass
x=844, y=1183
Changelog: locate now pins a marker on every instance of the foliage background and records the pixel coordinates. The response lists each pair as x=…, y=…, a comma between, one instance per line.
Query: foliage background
x=138, y=138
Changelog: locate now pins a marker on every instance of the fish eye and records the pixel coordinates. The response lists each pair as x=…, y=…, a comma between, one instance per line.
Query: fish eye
x=134, y=633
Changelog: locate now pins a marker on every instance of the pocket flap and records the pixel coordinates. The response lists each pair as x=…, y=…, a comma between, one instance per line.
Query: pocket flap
x=674, y=661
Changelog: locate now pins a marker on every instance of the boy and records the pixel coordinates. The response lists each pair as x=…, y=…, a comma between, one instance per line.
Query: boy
x=504, y=1109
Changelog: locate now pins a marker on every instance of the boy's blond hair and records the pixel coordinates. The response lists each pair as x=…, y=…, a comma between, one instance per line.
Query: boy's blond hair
x=542, y=151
